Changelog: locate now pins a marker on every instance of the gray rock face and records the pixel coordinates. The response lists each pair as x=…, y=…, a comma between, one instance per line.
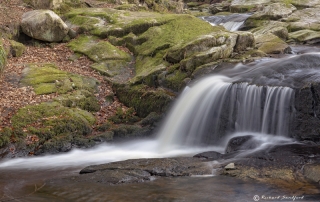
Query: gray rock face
x=274, y=11
x=44, y=25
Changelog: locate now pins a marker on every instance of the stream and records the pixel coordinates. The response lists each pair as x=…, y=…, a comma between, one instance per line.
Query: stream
x=185, y=133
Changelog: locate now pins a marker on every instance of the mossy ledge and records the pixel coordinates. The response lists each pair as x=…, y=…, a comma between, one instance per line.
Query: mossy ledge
x=49, y=122
x=143, y=98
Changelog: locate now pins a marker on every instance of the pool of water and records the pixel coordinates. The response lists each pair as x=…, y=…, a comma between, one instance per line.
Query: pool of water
x=53, y=185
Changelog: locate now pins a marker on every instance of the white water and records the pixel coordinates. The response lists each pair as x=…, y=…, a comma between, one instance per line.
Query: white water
x=103, y=153
x=231, y=22
x=196, y=118
x=214, y=107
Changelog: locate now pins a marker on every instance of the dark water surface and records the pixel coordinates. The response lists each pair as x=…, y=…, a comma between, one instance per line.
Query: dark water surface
x=53, y=185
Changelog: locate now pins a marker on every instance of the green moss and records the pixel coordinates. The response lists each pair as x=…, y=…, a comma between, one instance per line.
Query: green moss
x=122, y=116
x=46, y=78
x=174, y=81
x=98, y=50
x=5, y=135
x=82, y=99
x=110, y=68
x=17, y=49
x=143, y=98
x=3, y=57
x=47, y=120
x=123, y=131
x=180, y=30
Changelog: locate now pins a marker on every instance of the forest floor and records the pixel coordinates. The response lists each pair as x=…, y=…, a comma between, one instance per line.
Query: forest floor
x=14, y=96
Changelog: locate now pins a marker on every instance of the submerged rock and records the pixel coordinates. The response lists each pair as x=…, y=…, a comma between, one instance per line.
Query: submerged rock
x=280, y=164
x=240, y=143
x=141, y=170
x=44, y=25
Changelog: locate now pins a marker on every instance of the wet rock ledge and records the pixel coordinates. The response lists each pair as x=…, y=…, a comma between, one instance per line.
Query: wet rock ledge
x=294, y=166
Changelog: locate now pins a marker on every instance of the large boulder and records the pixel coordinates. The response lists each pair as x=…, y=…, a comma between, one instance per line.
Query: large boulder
x=44, y=4
x=44, y=25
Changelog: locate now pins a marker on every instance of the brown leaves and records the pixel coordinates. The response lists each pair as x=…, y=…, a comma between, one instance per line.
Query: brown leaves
x=13, y=96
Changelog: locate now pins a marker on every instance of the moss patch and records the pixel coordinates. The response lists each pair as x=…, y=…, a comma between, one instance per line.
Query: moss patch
x=17, y=49
x=82, y=99
x=98, y=50
x=110, y=68
x=46, y=79
x=3, y=57
x=143, y=99
x=50, y=120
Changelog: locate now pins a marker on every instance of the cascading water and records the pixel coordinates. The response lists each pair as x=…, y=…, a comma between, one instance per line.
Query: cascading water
x=231, y=22
x=215, y=106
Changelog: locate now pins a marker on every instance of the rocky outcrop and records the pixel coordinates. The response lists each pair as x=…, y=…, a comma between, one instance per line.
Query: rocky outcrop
x=304, y=19
x=274, y=11
x=44, y=25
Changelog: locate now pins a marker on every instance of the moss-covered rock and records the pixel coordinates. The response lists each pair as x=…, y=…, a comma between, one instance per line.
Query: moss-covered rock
x=49, y=121
x=82, y=99
x=16, y=48
x=98, y=50
x=143, y=99
x=271, y=44
x=111, y=68
x=129, y=131
x=245, y=41
x=104, y=22
x=3, y=57
x=124, y=116
x=46, y=79
x=274, y=27
x=308, y=18
x=305, y=36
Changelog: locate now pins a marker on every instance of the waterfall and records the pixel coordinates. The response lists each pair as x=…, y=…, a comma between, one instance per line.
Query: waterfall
x=231, y=22
x=215, y=106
